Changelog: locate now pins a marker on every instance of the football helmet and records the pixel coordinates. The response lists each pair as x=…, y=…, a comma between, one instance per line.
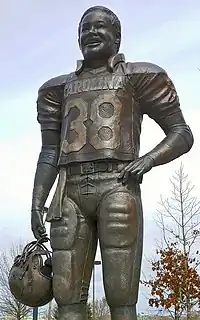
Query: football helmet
x=30, y=278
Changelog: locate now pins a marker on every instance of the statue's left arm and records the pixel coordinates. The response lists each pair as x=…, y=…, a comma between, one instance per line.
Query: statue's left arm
x=158, y=99
x=161, y=103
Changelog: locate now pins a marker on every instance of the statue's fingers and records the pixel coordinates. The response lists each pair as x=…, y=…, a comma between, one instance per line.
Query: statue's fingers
x=125, y=177
x=139, y=175
x=121, y=174
x=129, y=166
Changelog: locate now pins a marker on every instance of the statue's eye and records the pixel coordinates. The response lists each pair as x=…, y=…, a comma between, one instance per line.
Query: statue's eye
x=85, y=27
x=100, y=25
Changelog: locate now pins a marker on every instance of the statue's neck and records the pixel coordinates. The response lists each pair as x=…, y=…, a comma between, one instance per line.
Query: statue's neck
x=95, y=64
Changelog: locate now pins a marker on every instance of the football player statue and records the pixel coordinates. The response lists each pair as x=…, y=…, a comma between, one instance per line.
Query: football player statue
x=90, y=125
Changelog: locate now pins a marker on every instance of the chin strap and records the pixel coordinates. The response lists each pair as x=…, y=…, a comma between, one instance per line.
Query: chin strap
x=33, y=248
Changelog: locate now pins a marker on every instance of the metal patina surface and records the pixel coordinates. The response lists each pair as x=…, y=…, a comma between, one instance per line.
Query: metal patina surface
x=91, y=124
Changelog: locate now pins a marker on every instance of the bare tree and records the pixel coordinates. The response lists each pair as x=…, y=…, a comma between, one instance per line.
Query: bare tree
x=9, y=306
x=179, y=215
x=179, y=220
x=101, y=308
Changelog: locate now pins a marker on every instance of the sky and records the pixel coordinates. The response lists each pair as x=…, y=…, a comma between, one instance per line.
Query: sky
x=39, y=41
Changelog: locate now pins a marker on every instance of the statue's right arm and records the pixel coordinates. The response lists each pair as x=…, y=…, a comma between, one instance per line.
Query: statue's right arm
x=49, y=116
x=47, y=170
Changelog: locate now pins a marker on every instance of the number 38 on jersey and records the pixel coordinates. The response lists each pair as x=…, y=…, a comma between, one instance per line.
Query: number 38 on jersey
x=96, y=123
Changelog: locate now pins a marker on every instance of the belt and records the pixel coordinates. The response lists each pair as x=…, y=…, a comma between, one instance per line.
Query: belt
x=92, y=167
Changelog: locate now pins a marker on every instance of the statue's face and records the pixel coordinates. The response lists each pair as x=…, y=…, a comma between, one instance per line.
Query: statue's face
x=97, y=36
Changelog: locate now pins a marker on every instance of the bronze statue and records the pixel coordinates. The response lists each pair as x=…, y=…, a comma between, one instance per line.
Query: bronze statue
x=90, y=124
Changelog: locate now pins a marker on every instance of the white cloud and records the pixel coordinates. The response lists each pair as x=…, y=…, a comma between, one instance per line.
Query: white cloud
x=174, y=36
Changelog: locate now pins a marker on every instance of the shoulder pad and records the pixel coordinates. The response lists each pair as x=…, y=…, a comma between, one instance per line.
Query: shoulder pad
x=145, y=67
x=54, y=82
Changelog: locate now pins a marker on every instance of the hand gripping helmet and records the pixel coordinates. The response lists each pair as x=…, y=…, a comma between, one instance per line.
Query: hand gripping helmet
x=30, y=279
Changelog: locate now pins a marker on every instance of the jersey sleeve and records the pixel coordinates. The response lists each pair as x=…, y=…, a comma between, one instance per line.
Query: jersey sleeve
x=158, y=98
x=49, y=106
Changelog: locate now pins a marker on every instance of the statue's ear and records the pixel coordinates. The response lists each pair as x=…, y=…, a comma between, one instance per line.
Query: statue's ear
x=117, y=44
x=79, y=43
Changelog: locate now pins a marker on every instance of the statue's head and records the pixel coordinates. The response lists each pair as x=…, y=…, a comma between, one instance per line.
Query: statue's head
x=99, y=33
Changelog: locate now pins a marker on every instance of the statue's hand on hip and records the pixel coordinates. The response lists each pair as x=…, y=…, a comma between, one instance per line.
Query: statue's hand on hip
x=37, y=224
x=136, y=169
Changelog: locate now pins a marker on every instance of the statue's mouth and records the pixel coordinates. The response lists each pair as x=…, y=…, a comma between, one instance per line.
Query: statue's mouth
x=92, y=42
